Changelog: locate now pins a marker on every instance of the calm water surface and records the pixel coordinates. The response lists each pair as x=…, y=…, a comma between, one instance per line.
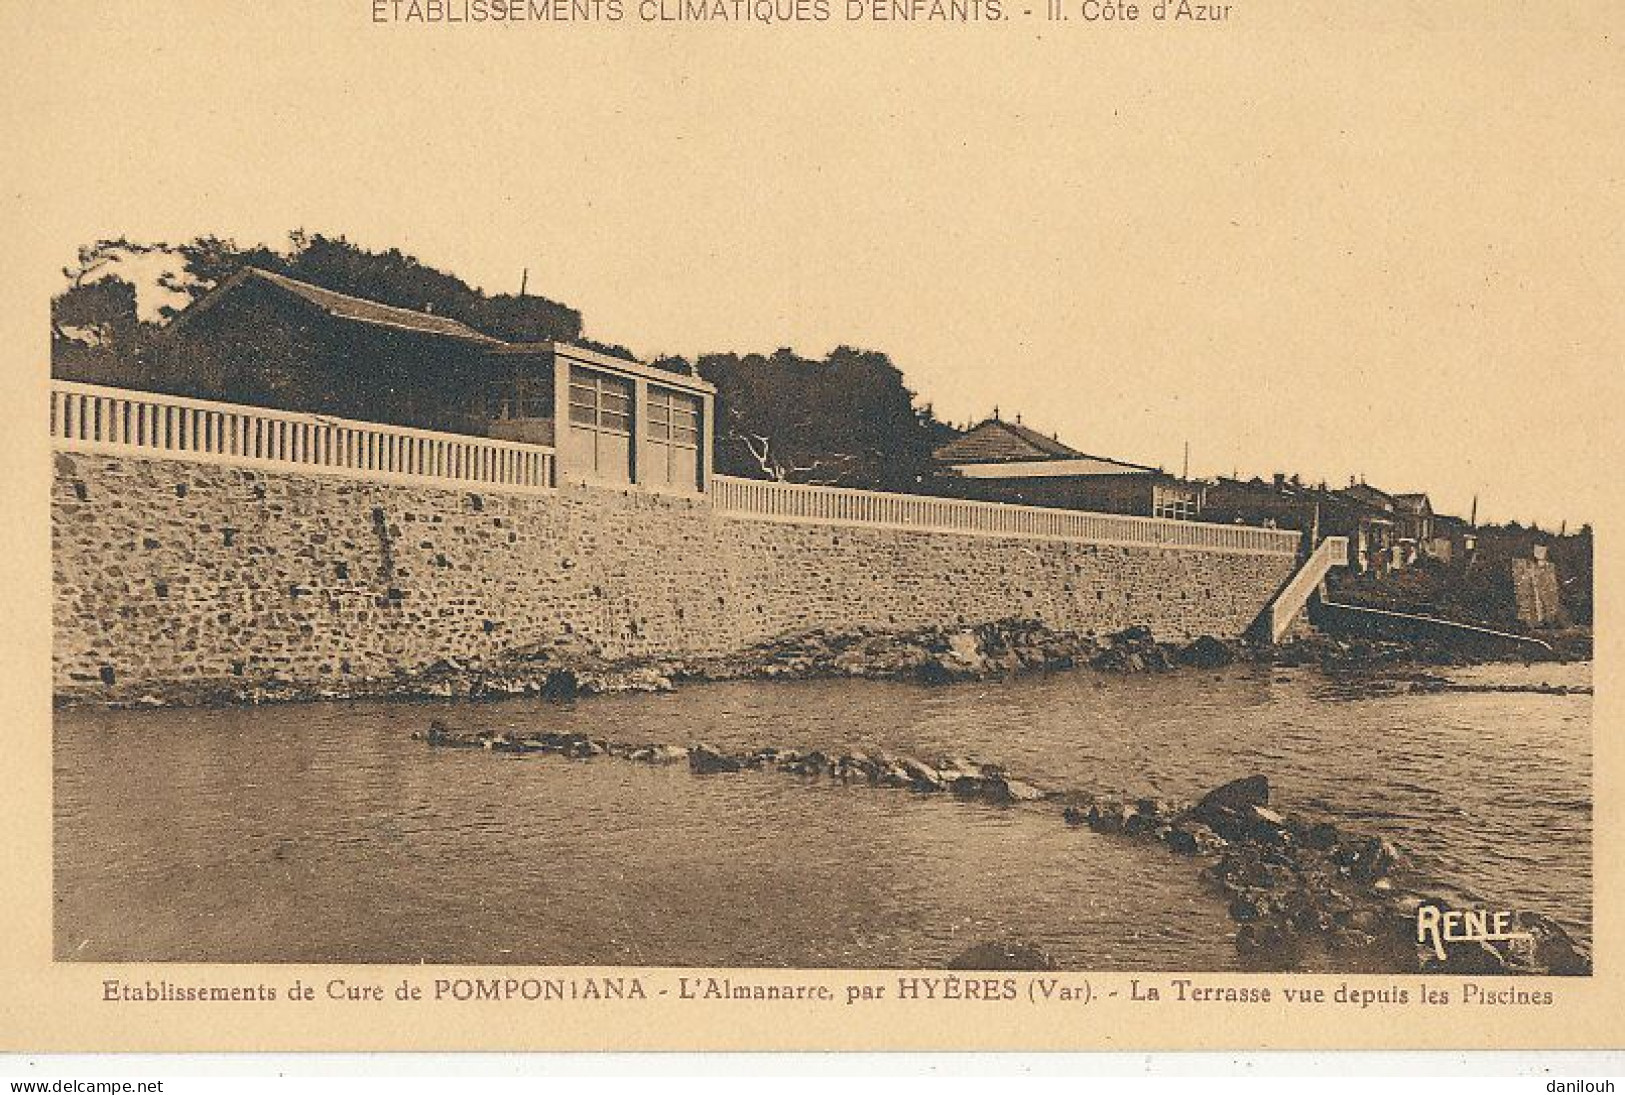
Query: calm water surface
x=313, y=833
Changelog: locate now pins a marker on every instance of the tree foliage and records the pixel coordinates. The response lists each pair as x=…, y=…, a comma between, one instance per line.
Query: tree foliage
x=96, y=330
x=332, y=262
x=847, y=419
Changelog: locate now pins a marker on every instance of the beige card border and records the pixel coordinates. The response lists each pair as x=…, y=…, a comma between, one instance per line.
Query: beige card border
x=48, y=1006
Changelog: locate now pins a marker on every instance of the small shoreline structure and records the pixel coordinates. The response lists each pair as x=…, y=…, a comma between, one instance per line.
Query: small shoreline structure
x=1293, y=885
x=1425, y=684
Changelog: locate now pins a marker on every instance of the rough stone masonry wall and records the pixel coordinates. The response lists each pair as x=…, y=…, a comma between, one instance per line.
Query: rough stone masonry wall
x=170, y=572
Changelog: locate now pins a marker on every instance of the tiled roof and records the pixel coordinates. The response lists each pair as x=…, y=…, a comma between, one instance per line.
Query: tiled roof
x=339, y=306
x=1413, y=503
x=995, y=440
x=360, y=310
x=1369, y=496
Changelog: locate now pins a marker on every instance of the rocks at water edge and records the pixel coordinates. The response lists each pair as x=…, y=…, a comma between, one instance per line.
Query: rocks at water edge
x=658, y=754
x=945, y=655
x=1289, y=883
x=704, y=760
x=567, y=667
x=1239, y=811
x=1360, y=655
x=1292, y=884
x=1206, y=652
x=961, y=777
x=1134, y=650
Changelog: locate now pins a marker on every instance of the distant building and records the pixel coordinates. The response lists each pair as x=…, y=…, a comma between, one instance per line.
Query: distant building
x=1385, y=532
x=1283, y=503
x=1411, y=523
x=1416, y=517
x=1003, y=461
x=1454, y=540
x=273, y=341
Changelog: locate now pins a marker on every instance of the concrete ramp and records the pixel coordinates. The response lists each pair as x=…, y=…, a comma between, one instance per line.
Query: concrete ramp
x=1409, y=625
x=1277, y=619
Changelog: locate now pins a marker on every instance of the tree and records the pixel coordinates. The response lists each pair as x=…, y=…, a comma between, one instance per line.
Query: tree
x=100, y=313
x=97, y=334
x=848, y=419
x=209, y=260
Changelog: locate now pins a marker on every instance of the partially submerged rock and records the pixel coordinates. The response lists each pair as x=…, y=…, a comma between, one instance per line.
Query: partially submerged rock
x=659, y=754
x=1207, y=652
x=1133, y=650
x=1193, y=838
x=1002, y=956
x=1535, y=945
x=704, y=760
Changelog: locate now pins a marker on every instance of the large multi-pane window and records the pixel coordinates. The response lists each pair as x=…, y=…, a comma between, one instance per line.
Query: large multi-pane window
x=599, y=439
x=1175, y=502
x=672, y=432
x=600, y=401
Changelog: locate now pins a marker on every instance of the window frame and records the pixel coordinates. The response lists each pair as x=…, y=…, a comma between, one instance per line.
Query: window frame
x=673, y=436
x=664, y=409
x=1174, y=504
x=601, y=389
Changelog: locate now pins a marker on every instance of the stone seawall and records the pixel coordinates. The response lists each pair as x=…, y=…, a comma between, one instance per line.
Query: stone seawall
x=171, y=572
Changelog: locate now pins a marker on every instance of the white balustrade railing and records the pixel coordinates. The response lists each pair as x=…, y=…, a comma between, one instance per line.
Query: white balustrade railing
x=89, y=418
x=794, y=502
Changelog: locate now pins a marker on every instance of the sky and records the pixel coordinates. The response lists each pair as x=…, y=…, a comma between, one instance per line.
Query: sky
x=1378, y=240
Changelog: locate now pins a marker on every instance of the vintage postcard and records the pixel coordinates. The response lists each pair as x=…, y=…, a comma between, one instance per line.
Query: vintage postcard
x=813, y=524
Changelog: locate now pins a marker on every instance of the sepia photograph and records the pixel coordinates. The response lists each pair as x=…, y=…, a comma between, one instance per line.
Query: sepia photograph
x=663, y=502
x=389, y=624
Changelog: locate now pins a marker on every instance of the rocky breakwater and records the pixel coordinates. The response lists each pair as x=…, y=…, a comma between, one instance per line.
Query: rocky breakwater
x=932, y=655
x=1361, y=654
x=1293, y=886
x=567, y=667
x=1426, y=685
x=1296, y=886
x=959, y=776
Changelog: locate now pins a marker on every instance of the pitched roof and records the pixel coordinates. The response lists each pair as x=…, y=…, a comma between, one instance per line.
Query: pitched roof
x=339, y=306
x=995, y=440
x=1369, y=496
x=1414, y=503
